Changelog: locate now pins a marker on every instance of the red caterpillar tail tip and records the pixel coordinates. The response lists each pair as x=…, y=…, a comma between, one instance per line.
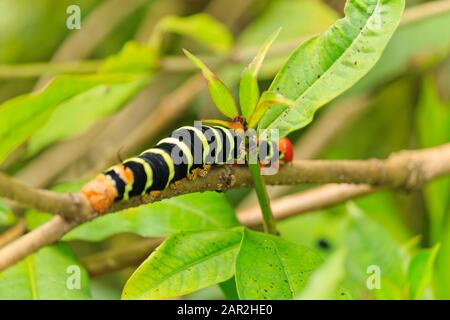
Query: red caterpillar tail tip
x=100, y=192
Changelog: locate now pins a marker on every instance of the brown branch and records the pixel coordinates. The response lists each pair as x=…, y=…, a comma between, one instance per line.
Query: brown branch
x=68, y=205
x=313, y=199
x=119, y=258
x=407, y=170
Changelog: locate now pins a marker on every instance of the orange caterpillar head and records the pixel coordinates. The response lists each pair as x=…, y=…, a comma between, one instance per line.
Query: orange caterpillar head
x=101, y=191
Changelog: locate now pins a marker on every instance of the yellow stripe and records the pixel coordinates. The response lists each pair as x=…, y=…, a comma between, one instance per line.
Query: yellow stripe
x=202, y=138
x=183, y=148
x=229, y=154
x=218, y=142
x=148, y=171
x=168, y=161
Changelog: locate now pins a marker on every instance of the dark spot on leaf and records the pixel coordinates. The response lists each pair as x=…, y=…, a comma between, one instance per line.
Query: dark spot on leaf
x=323, y=244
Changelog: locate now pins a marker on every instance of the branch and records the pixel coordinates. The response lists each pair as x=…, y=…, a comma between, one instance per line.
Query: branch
x=310, y=200
x=13, y=233
x=406, y=170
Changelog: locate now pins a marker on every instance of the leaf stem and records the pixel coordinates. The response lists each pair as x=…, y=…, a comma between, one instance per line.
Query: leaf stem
x=263, y=199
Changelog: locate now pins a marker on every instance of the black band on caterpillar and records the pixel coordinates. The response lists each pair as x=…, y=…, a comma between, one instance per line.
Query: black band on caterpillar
x=188, y=150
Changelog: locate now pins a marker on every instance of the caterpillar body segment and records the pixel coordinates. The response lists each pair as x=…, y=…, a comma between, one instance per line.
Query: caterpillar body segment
x=188, y=152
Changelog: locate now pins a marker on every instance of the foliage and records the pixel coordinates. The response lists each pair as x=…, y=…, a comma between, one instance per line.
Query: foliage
x=332, y=253
x=46, y=275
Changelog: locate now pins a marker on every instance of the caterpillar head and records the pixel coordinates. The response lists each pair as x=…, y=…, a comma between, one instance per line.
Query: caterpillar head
x=100, y=192
x=286, y=150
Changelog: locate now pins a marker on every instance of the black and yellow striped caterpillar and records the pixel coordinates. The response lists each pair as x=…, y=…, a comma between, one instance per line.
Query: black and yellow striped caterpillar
x=189, y=152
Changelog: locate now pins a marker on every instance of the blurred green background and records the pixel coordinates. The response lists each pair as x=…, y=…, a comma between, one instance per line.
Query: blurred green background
x=403, y=103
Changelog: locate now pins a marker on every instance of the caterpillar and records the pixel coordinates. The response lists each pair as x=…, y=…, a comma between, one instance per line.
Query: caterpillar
x=189, y=152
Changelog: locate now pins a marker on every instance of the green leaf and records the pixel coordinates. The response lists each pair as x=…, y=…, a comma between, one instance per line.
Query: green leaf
x=325, y=281
x=249, y=89
x=78, y=114
x=20, y=117
x=327, y=65
x=268, y=267
x=133, y=58
x=51, y=273
x=201, y=27
x=369, y=244
x=184, y=263
x=268, y=99
x=196, y=211
x=220, y=94
x=431, y=35
x=228, y=288
x=420, y=271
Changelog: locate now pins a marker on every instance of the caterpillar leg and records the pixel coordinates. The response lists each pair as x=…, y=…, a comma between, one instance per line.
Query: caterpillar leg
x=204, y=171
x=193, y=175
x=155, y=194
x=174, y=185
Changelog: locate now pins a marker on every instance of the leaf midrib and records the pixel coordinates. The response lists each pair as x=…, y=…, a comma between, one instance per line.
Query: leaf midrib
x=193, y=263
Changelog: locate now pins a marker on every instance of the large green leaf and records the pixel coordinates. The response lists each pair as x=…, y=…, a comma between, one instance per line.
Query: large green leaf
x=51, y=273
x=268, y=267
x=325, y=281
x=184, y=263
x=82, y=111
x=297, y=18
x=420, y=271
x=327, y=65
x=209, y=210
x=22, y=116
